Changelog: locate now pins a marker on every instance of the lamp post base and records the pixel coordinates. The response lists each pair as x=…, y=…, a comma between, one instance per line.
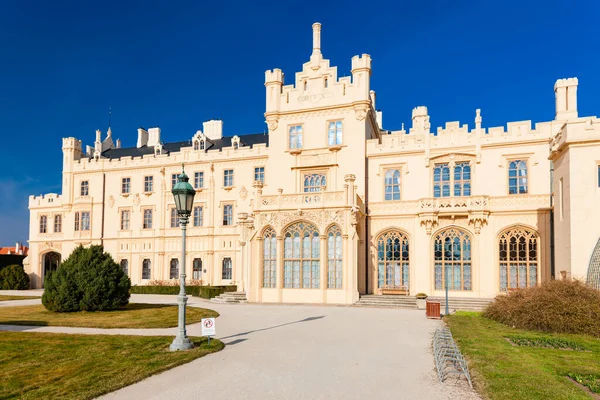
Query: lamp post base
x=181, y=343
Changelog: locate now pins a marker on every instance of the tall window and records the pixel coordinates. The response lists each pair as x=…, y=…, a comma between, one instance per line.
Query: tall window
x=334, y=133
x=148, y=184
x=174, y=268
x=334, y=258
x=58, y=223
x=147, y=218
x=518, y=256
x=43, y=224
x=126, y=185
x=198, y=216
x=295, y=137
x=462, y=179
x=227, y=214
x=174, y=218
x=196, y=145
x=85, y=221
x=202, y=145
x=226, y=271
x=197, y=269
x=392, y=184
x=441, y=180
x=393, y=261
x=269, y=258
x=174, y=180
x=125, y=266
x=146, y=269
x=85, y=188
x=125, y=220
x=314, y=182
x=76, y=227
x=228, y=178
x=517, y=177
x=259, y=174
x=198, y=180
x=301, y=263
x=452, y=260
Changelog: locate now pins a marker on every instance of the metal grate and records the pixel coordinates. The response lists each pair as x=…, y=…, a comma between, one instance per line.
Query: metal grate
x=448, y=358
x=593, y=275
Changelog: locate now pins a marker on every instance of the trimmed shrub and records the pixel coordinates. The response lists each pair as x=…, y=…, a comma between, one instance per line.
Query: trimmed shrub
x=13, y=277
x=206, y=292
x=88, y=280
x=561, y=306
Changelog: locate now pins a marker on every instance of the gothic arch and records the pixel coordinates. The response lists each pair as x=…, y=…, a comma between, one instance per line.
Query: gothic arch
x=452, y=258
x=518, y=253
x=593, y=275
x=393, y=259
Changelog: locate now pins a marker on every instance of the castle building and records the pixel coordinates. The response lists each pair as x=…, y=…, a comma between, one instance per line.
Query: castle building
x=329, y=205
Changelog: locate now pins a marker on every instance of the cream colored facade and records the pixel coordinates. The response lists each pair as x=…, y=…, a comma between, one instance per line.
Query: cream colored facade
x=329, y=205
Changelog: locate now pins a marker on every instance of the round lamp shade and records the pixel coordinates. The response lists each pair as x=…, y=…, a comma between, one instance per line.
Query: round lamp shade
x=184, y=194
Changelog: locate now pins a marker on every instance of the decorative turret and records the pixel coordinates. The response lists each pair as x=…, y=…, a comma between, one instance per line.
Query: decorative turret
x=420, y=120
x=361, y=76
x=565, y=91
x=273, y=83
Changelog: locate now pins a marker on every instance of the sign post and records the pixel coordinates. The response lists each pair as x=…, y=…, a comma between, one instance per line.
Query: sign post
x=208, y=328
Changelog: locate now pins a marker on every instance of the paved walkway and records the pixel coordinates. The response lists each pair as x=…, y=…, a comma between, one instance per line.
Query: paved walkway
x=299, y=352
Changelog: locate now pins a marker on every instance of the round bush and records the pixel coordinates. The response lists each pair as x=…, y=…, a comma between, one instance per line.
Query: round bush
x=13, y=277
x=89, y=280
x=561, y=306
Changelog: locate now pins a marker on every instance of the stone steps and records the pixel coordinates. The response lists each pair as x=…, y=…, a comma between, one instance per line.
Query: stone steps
x=464, y=304
x=230, y=298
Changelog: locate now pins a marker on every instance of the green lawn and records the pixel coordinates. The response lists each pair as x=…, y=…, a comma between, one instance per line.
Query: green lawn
x=6, y=297
x=503, y=371
x=61, y=366
x=135, y=315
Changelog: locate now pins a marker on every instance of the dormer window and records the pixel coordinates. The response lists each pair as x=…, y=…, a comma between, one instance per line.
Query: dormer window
x=235, y=141
x=196, y=145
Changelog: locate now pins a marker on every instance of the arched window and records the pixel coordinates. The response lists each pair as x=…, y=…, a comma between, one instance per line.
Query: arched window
x=392, y=184
x=593, y=275
x=174, y=269
x=393, y=258
x=301, y=254
x=196, y=145
x=517, y=177
x=197, y=269
x=269, y=258
x=146, y=269
x=314, y=182
x=202, y=144
x=226, y=272
x=452, y=260
x=334, y=258
x=125, y=266
x=519, y=258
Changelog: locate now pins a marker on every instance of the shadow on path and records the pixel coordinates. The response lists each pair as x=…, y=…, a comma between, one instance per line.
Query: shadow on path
x=272, y=327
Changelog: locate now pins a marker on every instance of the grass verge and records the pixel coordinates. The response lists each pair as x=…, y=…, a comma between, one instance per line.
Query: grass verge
x=4, y=297
x=61, y=366
x=134, y=315
x=502, y=371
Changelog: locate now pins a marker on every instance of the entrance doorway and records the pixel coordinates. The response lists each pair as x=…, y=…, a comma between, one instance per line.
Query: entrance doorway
x=50, y=262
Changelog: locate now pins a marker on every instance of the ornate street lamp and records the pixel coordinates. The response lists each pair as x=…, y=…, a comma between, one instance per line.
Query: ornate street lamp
x=183, y=193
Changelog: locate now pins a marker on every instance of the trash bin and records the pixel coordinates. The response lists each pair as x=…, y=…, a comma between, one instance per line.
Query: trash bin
x=432, y=309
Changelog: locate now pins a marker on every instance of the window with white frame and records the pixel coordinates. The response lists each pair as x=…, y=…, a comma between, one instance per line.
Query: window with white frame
x=335, y=133
x=227, y=269
x=198, y=215
x=147, y=218
x=518, y=258
x=174, y=180
x=517, y=177
x=58, y=223
x=202, y=144
x=269, y=258
x=174, y=268
x=77, y=222
x=174, y=218
x=196, y=145
x=452, y=179
x=146, y=269
x=124, y=220
x=148, y=184
x=441, y=180
x=228, y=178
x=197, y=269
x=462, y=179
x=452, y=260
x=314, y=182
x=228, y=214
x=259, y=174
x=301, y=256
x=126, y=185
x=392, y=184
x=295, y=137
x=125, y=266
x=198, y=180
x=85, y=188
x=334, y=258
x=43, y=224
x=85, y=221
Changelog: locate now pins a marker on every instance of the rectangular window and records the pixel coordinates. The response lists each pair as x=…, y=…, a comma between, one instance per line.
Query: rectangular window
x=198, y=216
x=315, y=182
x=43, y=224
x=174, y=268
x=441, y=180
x=259, y=174
x=517, y=177
x=227, y=268
x=197, y=269
x=392, y=184
x=85, y=188
x=462, y=179
x=57, y=223
x=199, y=180
x=125, y=266
x=174, y=218
x=173, y=180
x=125, y=220
x=228, y=178
x=76, y=227
x=126, y=185
x=334, y=133
x=146, y=267
x=85, y=221
x=148, y=184
x=227, y=214
x=295, y=137
x=147, y=218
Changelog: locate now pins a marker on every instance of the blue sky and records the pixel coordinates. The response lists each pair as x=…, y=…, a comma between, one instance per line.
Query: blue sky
x=177, y=64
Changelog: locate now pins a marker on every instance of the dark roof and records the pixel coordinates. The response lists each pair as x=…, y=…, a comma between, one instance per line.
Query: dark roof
x=245, y=141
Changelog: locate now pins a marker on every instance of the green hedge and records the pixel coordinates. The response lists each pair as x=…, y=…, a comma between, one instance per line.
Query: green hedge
x=206, y=292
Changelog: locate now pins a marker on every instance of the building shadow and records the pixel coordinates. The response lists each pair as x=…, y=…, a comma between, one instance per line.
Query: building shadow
x=236, y=341
x=273, y=327
x=21, y=326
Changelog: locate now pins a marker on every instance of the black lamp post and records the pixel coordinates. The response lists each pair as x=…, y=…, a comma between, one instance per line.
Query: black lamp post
x=184, y=194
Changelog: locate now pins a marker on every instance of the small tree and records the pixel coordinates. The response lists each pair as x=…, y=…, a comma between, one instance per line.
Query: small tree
x=13, y=277
x=88, y=280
